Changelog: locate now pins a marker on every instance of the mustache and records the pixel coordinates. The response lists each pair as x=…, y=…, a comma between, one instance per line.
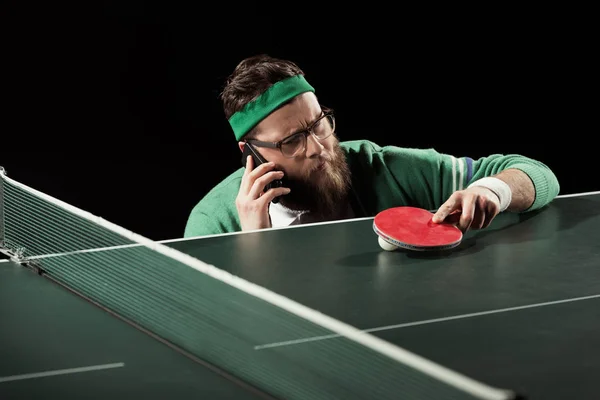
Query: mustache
x=315, y=166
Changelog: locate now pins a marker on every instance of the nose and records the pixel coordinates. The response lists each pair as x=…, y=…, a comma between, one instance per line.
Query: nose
x=314, y=148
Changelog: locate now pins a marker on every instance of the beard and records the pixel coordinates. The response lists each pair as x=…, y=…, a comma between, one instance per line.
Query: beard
x=322, y=192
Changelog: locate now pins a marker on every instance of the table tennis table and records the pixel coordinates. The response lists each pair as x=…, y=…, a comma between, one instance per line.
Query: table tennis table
x=515, y=306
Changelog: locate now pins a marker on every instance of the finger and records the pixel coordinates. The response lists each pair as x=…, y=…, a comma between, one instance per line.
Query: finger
x=260, y=170
x=255, y=173
x=249, y=167
x=270, y=194
x=478, y=219
x=259, y=184
x=453, y=218
x=468, y=210
x=446, y=209
x=491, y=212
x=480, y=213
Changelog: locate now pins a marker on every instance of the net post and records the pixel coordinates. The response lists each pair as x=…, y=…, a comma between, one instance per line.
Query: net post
x=2, y=175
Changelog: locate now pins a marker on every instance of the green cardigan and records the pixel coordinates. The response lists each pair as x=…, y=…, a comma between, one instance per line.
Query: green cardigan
x=383, y=177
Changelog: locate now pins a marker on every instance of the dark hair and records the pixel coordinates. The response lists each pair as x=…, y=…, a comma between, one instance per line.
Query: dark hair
x=251, y=77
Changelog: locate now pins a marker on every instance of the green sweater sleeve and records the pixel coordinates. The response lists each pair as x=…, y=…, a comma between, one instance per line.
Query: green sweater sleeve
x=431, y=177
x=216, y=212
x=544, y=180
x=426, y=178
x=200, y=224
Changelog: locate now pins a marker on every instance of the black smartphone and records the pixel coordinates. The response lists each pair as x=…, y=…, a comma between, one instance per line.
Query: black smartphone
x=250, y=150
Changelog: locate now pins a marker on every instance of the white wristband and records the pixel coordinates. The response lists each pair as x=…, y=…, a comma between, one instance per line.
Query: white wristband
x=499, y=187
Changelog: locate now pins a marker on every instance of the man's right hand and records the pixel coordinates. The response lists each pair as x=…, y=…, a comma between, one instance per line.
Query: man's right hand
x=251, y=202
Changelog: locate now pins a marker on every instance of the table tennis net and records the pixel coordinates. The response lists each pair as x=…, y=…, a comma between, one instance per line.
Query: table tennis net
x=214, y=315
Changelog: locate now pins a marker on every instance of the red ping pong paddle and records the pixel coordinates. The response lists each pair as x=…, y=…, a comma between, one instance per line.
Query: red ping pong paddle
x=412, y=228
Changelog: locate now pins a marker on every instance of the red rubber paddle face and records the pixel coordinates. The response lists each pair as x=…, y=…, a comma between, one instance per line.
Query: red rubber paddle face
x=412, y=228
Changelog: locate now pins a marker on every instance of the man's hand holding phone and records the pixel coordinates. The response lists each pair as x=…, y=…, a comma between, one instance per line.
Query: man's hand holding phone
x=252, y=202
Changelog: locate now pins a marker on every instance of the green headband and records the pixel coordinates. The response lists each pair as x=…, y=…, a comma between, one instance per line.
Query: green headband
x=253, y=112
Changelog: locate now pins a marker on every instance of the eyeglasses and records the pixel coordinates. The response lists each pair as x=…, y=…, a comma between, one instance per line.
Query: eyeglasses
x=294, y=144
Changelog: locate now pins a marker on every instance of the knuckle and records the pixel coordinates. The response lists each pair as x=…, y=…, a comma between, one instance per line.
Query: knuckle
x=243, y=206
x=454, y=198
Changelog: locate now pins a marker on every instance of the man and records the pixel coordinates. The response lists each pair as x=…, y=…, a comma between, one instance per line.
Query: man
x=271, y=106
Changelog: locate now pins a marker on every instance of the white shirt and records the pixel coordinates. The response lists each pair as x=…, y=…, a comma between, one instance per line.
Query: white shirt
x=283, y=216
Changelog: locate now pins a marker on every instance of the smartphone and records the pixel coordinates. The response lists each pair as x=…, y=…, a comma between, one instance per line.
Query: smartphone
x=250, y=150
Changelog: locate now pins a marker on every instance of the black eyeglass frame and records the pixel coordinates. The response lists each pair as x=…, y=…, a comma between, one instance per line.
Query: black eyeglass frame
x=305, y=132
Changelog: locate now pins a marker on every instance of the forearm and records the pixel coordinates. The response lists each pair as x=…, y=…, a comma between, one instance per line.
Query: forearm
x=532, y=184
x=521, y=186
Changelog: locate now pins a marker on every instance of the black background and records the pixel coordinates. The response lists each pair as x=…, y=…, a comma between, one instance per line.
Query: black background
x=112, y=106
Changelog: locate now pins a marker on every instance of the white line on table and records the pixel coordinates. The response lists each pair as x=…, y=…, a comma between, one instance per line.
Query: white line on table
x=424, y=322
x=60, y=372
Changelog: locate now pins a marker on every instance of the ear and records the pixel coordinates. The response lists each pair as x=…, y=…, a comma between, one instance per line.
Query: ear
x=241, y=145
